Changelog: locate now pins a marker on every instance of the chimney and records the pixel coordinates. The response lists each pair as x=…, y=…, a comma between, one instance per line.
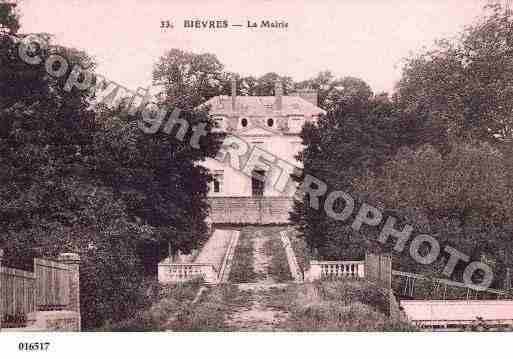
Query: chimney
x=234, y=93
x=278, y=94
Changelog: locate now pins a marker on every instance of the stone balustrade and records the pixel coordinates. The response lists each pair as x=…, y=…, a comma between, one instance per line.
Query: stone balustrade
x=335, y=270
x=169, y=272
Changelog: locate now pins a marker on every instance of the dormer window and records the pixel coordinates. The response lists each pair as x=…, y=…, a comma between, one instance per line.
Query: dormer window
x=244, y=122
x=270, y=122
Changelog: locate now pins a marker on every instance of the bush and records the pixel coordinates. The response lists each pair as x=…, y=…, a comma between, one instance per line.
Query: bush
x=336, y=306
x=112, y=286
x=170, y=303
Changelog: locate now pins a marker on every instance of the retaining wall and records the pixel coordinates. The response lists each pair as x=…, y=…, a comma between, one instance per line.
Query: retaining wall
x=250, y=210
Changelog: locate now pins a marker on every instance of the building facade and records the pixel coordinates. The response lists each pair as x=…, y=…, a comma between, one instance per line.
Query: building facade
x=269, y=123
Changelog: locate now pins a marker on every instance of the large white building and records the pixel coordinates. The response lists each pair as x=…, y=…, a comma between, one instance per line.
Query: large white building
x=272, y=123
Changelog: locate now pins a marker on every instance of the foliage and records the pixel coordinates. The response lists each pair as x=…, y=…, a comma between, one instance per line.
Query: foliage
x=187, y=79
x=452, y=99
x=263, y=85
x=160, y=309
x=9, y=18
x=211, y=311
x=465, y=85
x=463, y=198
x=335, y=306
x=158, y=178
x=175, y=309
x=337, y=93
x=360, y=132
x=92, y=182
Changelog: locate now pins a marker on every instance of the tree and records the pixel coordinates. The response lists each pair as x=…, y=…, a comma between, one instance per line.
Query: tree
x=462, y=198
x=187, y=79
x=9, y=19
x=266, y=84
x=52, y=199
x=158, y=178
x=257, y=86
x=465, y=85
x=338, y=94
x=360, y=132
x=324, y=82
x=92, y=182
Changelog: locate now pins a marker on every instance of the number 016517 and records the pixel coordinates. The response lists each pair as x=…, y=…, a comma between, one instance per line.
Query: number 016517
x=30, y=347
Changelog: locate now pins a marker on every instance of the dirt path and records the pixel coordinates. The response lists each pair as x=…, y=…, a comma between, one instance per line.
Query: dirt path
x=256, y=315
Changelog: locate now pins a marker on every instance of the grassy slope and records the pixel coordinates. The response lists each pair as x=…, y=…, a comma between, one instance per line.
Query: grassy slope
x=242, y=270
x=278, y=267
x=243, y=264
x=175, y=311
x=210, y=312
x=173, y=298
x=326, y=306
x=334, y=306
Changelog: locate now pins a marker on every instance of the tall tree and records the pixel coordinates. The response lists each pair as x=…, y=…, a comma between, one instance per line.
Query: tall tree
x=357, y=134
x=187, y=80
x=465, y=85
x=463, y=198
x=73, y=179
x=51, y=201
x=9, y=18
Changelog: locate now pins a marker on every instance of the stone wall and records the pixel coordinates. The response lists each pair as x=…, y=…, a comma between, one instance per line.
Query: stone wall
x=250, y=210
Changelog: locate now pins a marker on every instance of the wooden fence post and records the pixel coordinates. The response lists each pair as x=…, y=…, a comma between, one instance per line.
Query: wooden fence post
x=72, y=260
x=1, y=290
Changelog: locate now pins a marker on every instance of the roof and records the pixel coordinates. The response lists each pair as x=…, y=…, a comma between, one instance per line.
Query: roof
x=262, y=106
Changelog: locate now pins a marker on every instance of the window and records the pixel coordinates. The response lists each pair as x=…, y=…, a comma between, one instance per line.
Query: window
x=258, y=183
x=244, y=122
x=217, y=184
x=270, y=122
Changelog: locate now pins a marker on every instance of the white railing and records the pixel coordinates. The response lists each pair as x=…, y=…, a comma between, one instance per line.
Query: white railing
x=297, y=274
x=169, y=272
x=226, y=267
x=335, y=270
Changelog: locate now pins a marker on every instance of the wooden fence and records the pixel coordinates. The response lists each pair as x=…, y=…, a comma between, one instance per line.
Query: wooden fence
x=22, y=292
x=16, y=293
x=52, y=289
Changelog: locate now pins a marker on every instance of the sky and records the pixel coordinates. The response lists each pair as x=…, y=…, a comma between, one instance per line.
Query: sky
x=362, y=38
